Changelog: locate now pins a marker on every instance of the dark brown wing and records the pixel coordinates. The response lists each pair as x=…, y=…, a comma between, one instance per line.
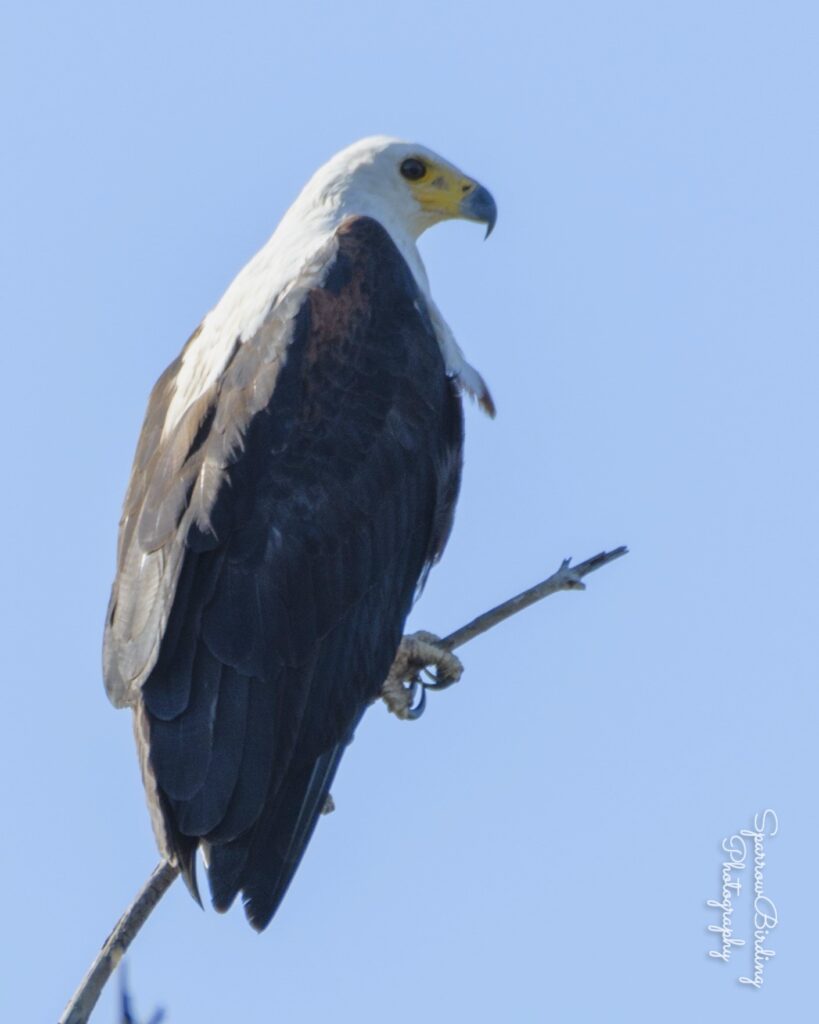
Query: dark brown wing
x=294, y=584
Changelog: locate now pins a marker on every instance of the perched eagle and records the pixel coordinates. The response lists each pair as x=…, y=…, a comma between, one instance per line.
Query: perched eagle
x=294, y=480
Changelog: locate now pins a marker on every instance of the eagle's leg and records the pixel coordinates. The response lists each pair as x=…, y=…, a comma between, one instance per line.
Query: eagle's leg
x=416, y=653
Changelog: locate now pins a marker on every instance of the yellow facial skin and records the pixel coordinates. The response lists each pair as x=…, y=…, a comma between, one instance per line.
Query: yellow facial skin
x=445, y=192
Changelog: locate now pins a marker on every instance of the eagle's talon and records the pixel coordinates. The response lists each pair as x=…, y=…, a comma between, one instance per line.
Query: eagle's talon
x=442, y=682
x=414, y=713
x=416, y=654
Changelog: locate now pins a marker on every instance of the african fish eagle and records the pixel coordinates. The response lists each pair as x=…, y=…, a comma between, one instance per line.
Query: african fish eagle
x=294, y=480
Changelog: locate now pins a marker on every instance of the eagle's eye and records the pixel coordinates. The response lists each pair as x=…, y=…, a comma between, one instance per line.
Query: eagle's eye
x=413, y=168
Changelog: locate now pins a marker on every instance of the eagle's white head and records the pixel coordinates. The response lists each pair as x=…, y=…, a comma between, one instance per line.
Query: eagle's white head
x=403, y=185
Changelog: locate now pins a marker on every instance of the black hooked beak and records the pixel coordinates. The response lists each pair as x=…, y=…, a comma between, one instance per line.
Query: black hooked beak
x=479, y=205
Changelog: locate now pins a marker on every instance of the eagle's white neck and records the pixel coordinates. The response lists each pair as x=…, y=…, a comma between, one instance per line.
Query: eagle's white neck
x=296, y=255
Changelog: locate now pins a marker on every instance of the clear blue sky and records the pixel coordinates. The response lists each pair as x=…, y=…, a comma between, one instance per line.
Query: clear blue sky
x=541, y=845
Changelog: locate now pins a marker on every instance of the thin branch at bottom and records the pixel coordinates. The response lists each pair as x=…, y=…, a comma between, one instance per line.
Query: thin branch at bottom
x=85, y=998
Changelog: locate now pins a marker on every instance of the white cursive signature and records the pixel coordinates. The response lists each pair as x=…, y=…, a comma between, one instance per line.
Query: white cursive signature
x=765, y=915
x=766, y=918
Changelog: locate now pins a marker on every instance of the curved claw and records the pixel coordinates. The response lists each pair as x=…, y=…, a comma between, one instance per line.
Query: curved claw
x=414, y=713
x=436, y=683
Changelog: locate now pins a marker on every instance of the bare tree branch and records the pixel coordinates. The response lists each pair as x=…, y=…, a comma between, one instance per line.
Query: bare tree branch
x=85, y=998
x=567, y=577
